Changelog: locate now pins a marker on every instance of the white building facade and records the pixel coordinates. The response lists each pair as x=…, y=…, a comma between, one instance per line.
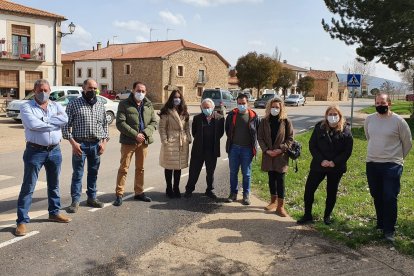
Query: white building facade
x=99, y=70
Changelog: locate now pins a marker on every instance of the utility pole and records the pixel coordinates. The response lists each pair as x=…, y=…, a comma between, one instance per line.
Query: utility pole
x=113, y=39
x=152, y=29
x=168, y=31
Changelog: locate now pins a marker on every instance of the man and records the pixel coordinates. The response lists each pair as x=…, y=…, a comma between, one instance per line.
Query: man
x=87, y=132
x=207, y=129
x=42, y=120
x=136, y=121
x=241, y=130
x=389, y=141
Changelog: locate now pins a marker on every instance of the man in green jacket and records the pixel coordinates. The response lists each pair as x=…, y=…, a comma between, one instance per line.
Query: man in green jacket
x=136, y=121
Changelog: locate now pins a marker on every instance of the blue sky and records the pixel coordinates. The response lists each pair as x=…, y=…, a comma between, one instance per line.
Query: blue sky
x=232, y=27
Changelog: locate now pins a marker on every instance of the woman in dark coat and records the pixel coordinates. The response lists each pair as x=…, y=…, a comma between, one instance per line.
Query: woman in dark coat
x=331, y=146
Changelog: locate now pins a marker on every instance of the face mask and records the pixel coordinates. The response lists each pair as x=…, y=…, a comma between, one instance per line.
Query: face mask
x=242, y=108
x=42, y=97
x=274, y=111
x=381, y=109
x=333, y=119
x=139, y=96
x=90, y=94
x=177, y=101
x=207, y=111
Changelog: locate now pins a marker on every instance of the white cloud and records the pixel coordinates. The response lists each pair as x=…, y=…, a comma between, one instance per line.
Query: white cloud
x=257, y=43
x=132, y=25
x=170, y=18
x=197, y=17
x=80, y=39
x=212, y=3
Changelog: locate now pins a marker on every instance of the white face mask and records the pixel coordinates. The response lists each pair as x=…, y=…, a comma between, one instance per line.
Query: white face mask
x=139, y=96
x=333, y=120
x=274, y=111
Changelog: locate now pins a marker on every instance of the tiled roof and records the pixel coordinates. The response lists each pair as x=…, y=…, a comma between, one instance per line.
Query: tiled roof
x=10, y=7
x=293, y=67
x=154, y=49
x=320, y=75
x=74, y=55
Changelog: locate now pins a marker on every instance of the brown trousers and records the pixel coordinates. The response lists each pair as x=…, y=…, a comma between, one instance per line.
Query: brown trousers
x=127, y=151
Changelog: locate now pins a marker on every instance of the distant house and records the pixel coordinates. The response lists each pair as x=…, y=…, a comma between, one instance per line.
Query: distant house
x=68, y=67
x=326, y=85
x=161, y=65
x=30, y=45
x=299, y=73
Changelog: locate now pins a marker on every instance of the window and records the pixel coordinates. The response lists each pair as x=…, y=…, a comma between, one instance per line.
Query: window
x=79, y=73
x=56, y=95
x=199, y=91
x=227, y=96
x=103, y=73
x=20, y=40
x=127, y=69
x=331, y=84
x=73, y=92
x=201, y=76
x=67, y=73
x=180, y=71
x=104, y=87
x=89, y=72
x=201, y=58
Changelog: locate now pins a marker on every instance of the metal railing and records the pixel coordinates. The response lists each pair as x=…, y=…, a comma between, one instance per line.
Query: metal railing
x=22, y=51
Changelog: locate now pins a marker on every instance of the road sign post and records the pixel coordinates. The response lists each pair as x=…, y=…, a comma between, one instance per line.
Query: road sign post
x=353, y=80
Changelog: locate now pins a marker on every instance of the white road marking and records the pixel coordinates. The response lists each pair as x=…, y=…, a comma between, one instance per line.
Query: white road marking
x=5, y=177
x=32, y=215
x=125, y=197
x=15, y=190
x=6, y=243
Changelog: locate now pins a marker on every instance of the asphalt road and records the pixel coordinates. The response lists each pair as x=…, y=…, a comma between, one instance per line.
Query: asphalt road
x=98, y=241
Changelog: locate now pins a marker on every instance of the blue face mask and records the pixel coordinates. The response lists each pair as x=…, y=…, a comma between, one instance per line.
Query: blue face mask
x=207, y=111
x=242, y=108
x=177, y=101
x=42, y=97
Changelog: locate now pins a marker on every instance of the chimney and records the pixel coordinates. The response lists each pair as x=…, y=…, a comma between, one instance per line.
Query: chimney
x=93, y=48
x=107, y=44
x=285, y=61
x=98, y=46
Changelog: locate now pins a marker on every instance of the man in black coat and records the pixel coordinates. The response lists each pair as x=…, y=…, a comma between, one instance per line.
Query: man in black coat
x=207, y=129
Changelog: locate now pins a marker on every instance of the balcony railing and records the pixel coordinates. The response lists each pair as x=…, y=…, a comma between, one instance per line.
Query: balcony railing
x=22, y=51
x=201, y=80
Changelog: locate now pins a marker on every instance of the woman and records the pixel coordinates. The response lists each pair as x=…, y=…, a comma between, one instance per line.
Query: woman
x=275, y=136
x=175, y=138
x=331, y=146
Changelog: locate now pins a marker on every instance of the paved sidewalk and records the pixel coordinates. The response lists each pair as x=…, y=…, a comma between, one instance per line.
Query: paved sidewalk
x=244, y=240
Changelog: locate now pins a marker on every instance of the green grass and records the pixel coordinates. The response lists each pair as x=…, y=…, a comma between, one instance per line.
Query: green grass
x=399, y=107
x=354, y=214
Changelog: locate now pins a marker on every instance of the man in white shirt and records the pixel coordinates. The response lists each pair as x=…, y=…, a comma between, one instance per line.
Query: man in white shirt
x=389, y=141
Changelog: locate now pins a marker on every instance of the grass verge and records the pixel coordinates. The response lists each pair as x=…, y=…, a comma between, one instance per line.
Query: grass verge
x=354, y=214
x=399, y=107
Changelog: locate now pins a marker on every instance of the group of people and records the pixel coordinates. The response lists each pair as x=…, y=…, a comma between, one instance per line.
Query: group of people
x=84, y=125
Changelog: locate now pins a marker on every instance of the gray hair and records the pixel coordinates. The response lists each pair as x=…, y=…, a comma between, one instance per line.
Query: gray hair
x=208, y=100
x=39, y=83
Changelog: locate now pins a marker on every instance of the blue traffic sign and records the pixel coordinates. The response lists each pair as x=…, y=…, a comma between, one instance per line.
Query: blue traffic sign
x=353, y=80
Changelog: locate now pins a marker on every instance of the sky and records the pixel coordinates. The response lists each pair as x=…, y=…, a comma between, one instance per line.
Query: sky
x=231, y=27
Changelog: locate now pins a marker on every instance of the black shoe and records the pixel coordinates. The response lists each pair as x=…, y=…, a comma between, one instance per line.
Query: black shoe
x=232, y=197
x=177, y=192
x=389, y=237
x=188, y=194
x=211, y=194
x=118, y=201
x=142, y=197
x=73, y=208
x=327, y=220
x=246, y=199
x=95, y=203
x=169, y=193
x=305, y=220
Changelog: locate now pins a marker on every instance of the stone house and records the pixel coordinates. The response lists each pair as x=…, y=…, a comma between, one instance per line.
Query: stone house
x=30, y=46
x=299, y=73
x=161, y=65
x=326, y=85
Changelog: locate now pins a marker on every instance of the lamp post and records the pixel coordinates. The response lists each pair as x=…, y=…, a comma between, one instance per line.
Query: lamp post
x=71, y=30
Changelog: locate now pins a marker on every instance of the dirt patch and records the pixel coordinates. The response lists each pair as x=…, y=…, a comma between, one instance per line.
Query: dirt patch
x=11, y=135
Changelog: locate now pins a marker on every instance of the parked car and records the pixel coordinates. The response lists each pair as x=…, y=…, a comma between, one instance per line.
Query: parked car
x=111, y=107
x=295, y=100
x=264, y=99
x=123, y=95
x=56, y=92
x=250, y=98
x=223, y=99
x=109, y=94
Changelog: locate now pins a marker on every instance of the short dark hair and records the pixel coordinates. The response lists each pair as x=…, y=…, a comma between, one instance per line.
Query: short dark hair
x=242, y=96
x=134, y=85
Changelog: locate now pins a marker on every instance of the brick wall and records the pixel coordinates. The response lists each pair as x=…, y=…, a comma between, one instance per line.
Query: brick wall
x=67, y=80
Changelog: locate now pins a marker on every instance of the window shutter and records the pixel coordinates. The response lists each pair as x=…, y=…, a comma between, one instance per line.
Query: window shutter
x=21, y=30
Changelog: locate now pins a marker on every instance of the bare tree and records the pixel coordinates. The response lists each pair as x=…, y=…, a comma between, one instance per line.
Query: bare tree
x=407, y=77
x=388, y=88
x=366, y=69
x=277, y=55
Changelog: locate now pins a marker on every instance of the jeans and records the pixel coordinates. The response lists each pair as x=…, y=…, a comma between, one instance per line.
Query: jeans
x=90, y=151
x=240, y=156
x=34, y=159
x=196, y=164
x=127, y=151
x=384, y=186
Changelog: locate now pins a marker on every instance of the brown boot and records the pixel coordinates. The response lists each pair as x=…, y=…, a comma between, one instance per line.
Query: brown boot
x=20, y=230
x=272, y=205
x=280, y=210
x=59, y=218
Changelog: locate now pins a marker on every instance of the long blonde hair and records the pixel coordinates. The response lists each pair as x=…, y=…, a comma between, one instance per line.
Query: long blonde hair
x=282, y=113
x=341, y=123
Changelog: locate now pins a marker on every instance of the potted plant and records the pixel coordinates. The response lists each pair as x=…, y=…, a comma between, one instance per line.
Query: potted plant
x=2, y=41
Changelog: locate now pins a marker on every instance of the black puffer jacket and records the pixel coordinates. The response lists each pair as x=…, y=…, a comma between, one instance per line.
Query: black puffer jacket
x=325, y=144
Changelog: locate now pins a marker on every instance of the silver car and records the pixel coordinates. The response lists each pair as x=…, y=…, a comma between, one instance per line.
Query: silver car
x=295, y=100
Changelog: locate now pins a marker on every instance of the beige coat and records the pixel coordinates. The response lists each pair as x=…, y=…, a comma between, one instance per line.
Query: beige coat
x=175, y=138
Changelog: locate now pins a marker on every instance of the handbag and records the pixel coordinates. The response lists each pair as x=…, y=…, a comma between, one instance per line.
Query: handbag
x=294, y=150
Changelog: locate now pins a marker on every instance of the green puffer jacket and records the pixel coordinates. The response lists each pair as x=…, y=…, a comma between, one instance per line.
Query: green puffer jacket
x=127, y=121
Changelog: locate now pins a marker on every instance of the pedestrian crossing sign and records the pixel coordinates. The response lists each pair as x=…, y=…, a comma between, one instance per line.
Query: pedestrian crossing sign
x=353, y=80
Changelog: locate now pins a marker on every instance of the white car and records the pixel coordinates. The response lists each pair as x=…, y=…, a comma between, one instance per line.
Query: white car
x=13, y=109
x=295, y=100
x=123, y=95
x=111, y=107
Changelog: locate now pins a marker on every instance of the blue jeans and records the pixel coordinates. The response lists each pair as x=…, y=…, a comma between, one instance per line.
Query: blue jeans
x=240, y=156
x=34, y=159
x=90, y=152
x=384, y=186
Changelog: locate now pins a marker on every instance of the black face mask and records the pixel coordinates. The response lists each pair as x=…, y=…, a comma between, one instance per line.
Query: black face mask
x=381, y=109
x=90, y=94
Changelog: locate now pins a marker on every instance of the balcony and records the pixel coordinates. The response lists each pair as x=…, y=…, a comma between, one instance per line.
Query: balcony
x=22, y=51
x=201, y=80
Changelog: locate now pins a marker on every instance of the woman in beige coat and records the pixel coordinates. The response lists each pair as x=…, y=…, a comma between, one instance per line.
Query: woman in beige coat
x=175, y=138
x=275, y=136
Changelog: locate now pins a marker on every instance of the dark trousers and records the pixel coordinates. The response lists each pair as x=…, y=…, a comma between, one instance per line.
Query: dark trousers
x=384, y=186
x=168, y=177
x=196, y=164
x=314, y=179
x=277, y=184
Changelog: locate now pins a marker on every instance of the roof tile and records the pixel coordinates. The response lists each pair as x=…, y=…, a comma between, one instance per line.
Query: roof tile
x=8, y=6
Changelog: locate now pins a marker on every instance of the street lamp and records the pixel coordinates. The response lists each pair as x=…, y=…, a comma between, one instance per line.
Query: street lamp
x=71, y=30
